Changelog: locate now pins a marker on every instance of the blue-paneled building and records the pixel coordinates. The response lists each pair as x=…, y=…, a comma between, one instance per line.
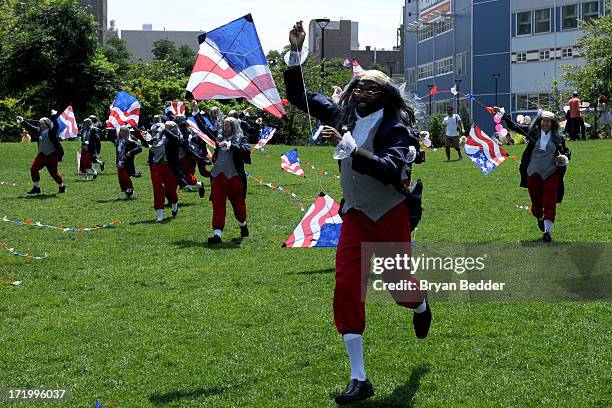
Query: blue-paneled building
x=508, y=51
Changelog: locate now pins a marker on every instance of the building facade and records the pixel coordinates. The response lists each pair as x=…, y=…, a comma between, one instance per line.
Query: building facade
x=99, y=8
x=504, y=52
x=140, y=42
x=342, y=41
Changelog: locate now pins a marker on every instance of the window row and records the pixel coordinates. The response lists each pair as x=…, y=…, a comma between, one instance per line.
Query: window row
x=545, y=55
x=540, y=21
x=532, y=102
x=442, y=67
x=428, y=30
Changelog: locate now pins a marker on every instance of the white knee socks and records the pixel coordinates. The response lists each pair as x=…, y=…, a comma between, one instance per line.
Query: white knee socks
x=354, y=348
x=548, y=226
x=421, y=308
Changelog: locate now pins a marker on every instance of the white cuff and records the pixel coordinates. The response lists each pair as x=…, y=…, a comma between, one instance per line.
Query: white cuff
x=295, y=58
x=411, y=154
x=565, y=160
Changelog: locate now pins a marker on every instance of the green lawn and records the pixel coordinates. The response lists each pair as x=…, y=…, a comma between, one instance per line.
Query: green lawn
x=147, y=315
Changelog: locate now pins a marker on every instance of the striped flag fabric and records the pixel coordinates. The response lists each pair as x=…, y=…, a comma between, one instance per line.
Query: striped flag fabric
x=320, y=226
x=484, y=151
x=67, y=126
x=265, y=136
x=357, y=70
x=290, y=162
x=125, y=110
x=194, y=126
x=231, y=64
x=176, y=108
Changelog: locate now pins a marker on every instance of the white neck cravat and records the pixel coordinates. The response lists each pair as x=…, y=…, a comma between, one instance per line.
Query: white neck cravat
x=544, y=139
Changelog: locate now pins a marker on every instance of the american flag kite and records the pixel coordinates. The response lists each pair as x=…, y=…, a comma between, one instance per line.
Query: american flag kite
x=176, y=108
x=125, y=110
x=483, y=151
x=67, y=126
x=290, y=162
x=266, y=135
x=320, y=227
x=231, y=64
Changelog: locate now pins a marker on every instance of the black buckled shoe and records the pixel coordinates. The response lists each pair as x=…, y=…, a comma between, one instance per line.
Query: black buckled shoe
x=541, y=224
x=244, y=231
x=355, y=391
x=34, y=190
x=174, y=212
x=546, y=237
x=62, y=189
x=201, y=190
x=421, y=322
x=215, y=239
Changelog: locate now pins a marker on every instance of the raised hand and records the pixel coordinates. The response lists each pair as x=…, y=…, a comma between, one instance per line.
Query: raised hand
x=297, y=37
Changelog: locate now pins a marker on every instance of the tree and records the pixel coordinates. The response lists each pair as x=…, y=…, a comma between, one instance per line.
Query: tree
x=185, y=58
x=154, y=83
x=116, y=52
x=595, y=45
x=164, y=49
x=46, y=54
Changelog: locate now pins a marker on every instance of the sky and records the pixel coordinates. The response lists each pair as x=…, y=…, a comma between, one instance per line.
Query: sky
x=378, y=19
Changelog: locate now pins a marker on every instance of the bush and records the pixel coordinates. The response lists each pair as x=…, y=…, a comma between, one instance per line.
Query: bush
x=10, y=131
x=436, y=130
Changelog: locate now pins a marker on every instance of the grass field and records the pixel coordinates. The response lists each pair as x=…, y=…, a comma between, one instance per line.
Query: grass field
x=146, y=315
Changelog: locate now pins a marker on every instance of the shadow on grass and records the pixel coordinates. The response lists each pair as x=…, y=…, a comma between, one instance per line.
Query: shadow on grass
x=317, y=272
x=190, y=243
x=402, y=396
x=152, y=221
x=38, y=196
x=161, y=399
x=112, y=200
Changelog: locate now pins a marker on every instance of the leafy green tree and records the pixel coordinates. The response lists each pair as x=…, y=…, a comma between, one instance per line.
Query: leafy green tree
x=595, y=45
x=116, y=52
x=185, y=58
x=154, y=83
x=46, y=52
x=164, y=49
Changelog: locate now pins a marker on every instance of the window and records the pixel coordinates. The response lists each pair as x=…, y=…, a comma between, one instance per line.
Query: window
x=569, y=17
x=444, y=25
x=590, y=10
x=425, y=71
x=544, y=55
x=441, y=107
x=425, y=33
x=523, y=23
x=411, y=77
x=462, y=64
x=532, y=102
x=521, y=57
x=444, y=66
x=567, y=53
x=521, y=102
x=542, y=21
x=544, y=101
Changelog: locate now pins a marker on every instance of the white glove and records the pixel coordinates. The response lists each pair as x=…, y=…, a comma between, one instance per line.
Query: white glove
x=562, y=160
x=346, y=146
x=53, y=112
x=19, y=120
x=411, y=155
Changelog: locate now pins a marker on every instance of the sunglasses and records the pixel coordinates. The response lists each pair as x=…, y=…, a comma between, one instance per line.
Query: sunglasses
x=367, y=92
